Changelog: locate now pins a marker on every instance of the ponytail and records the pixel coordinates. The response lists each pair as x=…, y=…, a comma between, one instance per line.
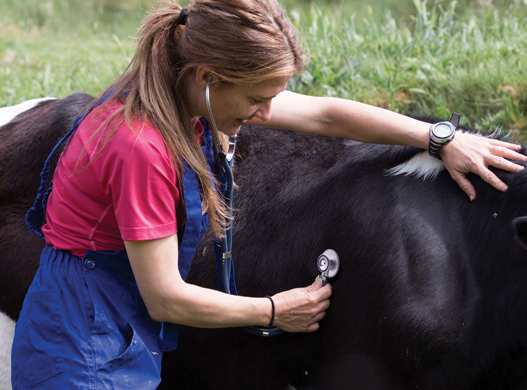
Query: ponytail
x=239, y=41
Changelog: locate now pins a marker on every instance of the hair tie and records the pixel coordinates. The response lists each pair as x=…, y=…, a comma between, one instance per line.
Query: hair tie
x=182, y=17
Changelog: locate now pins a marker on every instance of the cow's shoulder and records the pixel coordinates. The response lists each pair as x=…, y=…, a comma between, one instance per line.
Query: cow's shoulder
x=27, y=139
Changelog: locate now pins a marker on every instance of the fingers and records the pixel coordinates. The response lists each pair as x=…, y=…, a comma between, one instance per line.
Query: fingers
x=510, y=146
x=492, y=179
x=506, y=165
x=501, y=152
x=320, y=292
x=505, y=150
x=465, y=184
x=470, y=153
x=321, y=313
x=314, y=326
x=300, y=310
x=485, y=174
x=315, y=285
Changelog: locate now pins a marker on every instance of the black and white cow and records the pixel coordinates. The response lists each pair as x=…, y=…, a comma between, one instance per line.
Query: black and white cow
x=432, y=292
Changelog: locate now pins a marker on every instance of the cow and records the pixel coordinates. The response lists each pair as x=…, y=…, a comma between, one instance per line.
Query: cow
x=432, y=291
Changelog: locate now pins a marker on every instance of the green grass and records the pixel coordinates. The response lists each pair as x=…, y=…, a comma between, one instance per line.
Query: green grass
x=444, y=60
x=407, y=55
x=87, y=65
x=57, y=47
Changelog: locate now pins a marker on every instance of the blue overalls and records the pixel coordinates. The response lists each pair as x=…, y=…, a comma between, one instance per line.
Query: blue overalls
x=84, y=324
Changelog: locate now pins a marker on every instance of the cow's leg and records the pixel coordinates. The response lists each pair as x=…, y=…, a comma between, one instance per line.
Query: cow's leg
x=7, y=332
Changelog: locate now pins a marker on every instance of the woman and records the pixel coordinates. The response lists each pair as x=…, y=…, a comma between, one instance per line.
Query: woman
x=136, y=173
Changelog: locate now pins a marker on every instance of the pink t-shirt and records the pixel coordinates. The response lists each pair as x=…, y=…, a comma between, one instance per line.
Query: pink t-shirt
x=128, y=192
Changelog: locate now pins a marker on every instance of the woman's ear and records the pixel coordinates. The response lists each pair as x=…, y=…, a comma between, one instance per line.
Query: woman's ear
x=203, y=76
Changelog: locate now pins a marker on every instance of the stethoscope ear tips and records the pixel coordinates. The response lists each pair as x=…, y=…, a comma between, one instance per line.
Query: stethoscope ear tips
x=328, y=263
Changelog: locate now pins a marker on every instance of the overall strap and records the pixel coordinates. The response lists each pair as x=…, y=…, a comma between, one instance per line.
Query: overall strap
x=196, y=220
x=35, y=215
x=193, y=229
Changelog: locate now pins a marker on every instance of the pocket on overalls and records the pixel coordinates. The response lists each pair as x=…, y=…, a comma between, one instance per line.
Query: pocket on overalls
x=37, y=346
x=137, y=367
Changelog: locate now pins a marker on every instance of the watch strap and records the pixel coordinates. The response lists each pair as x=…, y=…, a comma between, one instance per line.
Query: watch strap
x=454, y=119
x=434, y=147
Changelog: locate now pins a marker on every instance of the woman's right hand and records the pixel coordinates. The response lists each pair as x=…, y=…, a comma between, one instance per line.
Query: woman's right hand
x=300, y=309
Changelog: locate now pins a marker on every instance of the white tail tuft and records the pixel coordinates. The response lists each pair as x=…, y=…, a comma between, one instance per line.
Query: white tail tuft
x=420, y=165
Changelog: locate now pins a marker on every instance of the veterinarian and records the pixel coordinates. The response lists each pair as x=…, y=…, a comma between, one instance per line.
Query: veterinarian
x=133, y=194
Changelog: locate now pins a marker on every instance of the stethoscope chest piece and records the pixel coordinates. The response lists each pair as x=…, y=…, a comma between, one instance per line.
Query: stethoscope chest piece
x=328, y=264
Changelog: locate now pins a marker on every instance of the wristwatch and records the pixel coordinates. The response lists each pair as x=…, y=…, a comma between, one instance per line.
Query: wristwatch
x=442, y=133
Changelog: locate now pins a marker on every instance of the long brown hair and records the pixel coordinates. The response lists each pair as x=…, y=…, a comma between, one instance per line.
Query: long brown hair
x=240, y=42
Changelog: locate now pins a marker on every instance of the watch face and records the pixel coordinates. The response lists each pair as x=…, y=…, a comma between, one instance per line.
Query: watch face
x=442, y=130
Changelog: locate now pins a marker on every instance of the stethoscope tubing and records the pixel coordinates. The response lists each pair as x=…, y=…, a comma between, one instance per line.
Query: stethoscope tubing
x=226, y=242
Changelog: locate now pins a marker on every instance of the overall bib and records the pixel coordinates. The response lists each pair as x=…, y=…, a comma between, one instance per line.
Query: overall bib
x=84, y=324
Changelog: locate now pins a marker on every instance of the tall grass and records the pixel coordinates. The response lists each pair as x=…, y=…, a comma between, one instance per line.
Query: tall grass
x=411, y=56
x=65, y=17
x=438, y=63
x=56, y=47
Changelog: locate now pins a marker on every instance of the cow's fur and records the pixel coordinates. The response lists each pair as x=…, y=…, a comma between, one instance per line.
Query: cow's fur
x=420, y=165
x=432, y=289
x=7, y=331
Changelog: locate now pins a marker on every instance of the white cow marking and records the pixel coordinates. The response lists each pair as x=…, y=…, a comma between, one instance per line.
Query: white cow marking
x=421, y=165
x=7, y=332
x=7, y=114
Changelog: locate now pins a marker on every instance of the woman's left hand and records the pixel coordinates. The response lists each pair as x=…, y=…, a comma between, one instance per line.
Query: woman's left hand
x=471, y=153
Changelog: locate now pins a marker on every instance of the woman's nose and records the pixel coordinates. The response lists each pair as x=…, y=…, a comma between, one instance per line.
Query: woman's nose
x=264, y=111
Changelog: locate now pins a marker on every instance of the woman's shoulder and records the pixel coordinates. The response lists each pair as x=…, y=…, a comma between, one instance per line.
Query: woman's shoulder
x=120, y=137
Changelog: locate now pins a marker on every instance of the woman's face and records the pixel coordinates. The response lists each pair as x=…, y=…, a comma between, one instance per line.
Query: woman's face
x=233, y=105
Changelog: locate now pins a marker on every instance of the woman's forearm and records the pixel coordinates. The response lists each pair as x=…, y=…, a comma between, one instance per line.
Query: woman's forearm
x=341, y=118
x=169, y=299
x=365, y=123
x=204, y=308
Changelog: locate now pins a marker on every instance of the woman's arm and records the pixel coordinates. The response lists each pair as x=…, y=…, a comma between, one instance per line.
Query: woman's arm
x=343, y=118
x=168, y=298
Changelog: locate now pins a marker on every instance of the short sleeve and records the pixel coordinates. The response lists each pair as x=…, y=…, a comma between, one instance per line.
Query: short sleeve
x=140, y=180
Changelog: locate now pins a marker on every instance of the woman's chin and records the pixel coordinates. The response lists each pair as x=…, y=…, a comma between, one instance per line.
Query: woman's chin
x=233, y=130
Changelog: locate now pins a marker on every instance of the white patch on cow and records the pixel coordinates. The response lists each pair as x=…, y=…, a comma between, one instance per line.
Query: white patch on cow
x=7, y=114
x=421, y=165
x=7, y=332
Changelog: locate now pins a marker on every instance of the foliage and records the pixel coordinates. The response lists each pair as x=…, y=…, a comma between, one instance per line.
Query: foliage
x=438, y=63
x=410, y=56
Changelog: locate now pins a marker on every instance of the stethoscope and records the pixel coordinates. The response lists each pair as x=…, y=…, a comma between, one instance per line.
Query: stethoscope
x=328, y=263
